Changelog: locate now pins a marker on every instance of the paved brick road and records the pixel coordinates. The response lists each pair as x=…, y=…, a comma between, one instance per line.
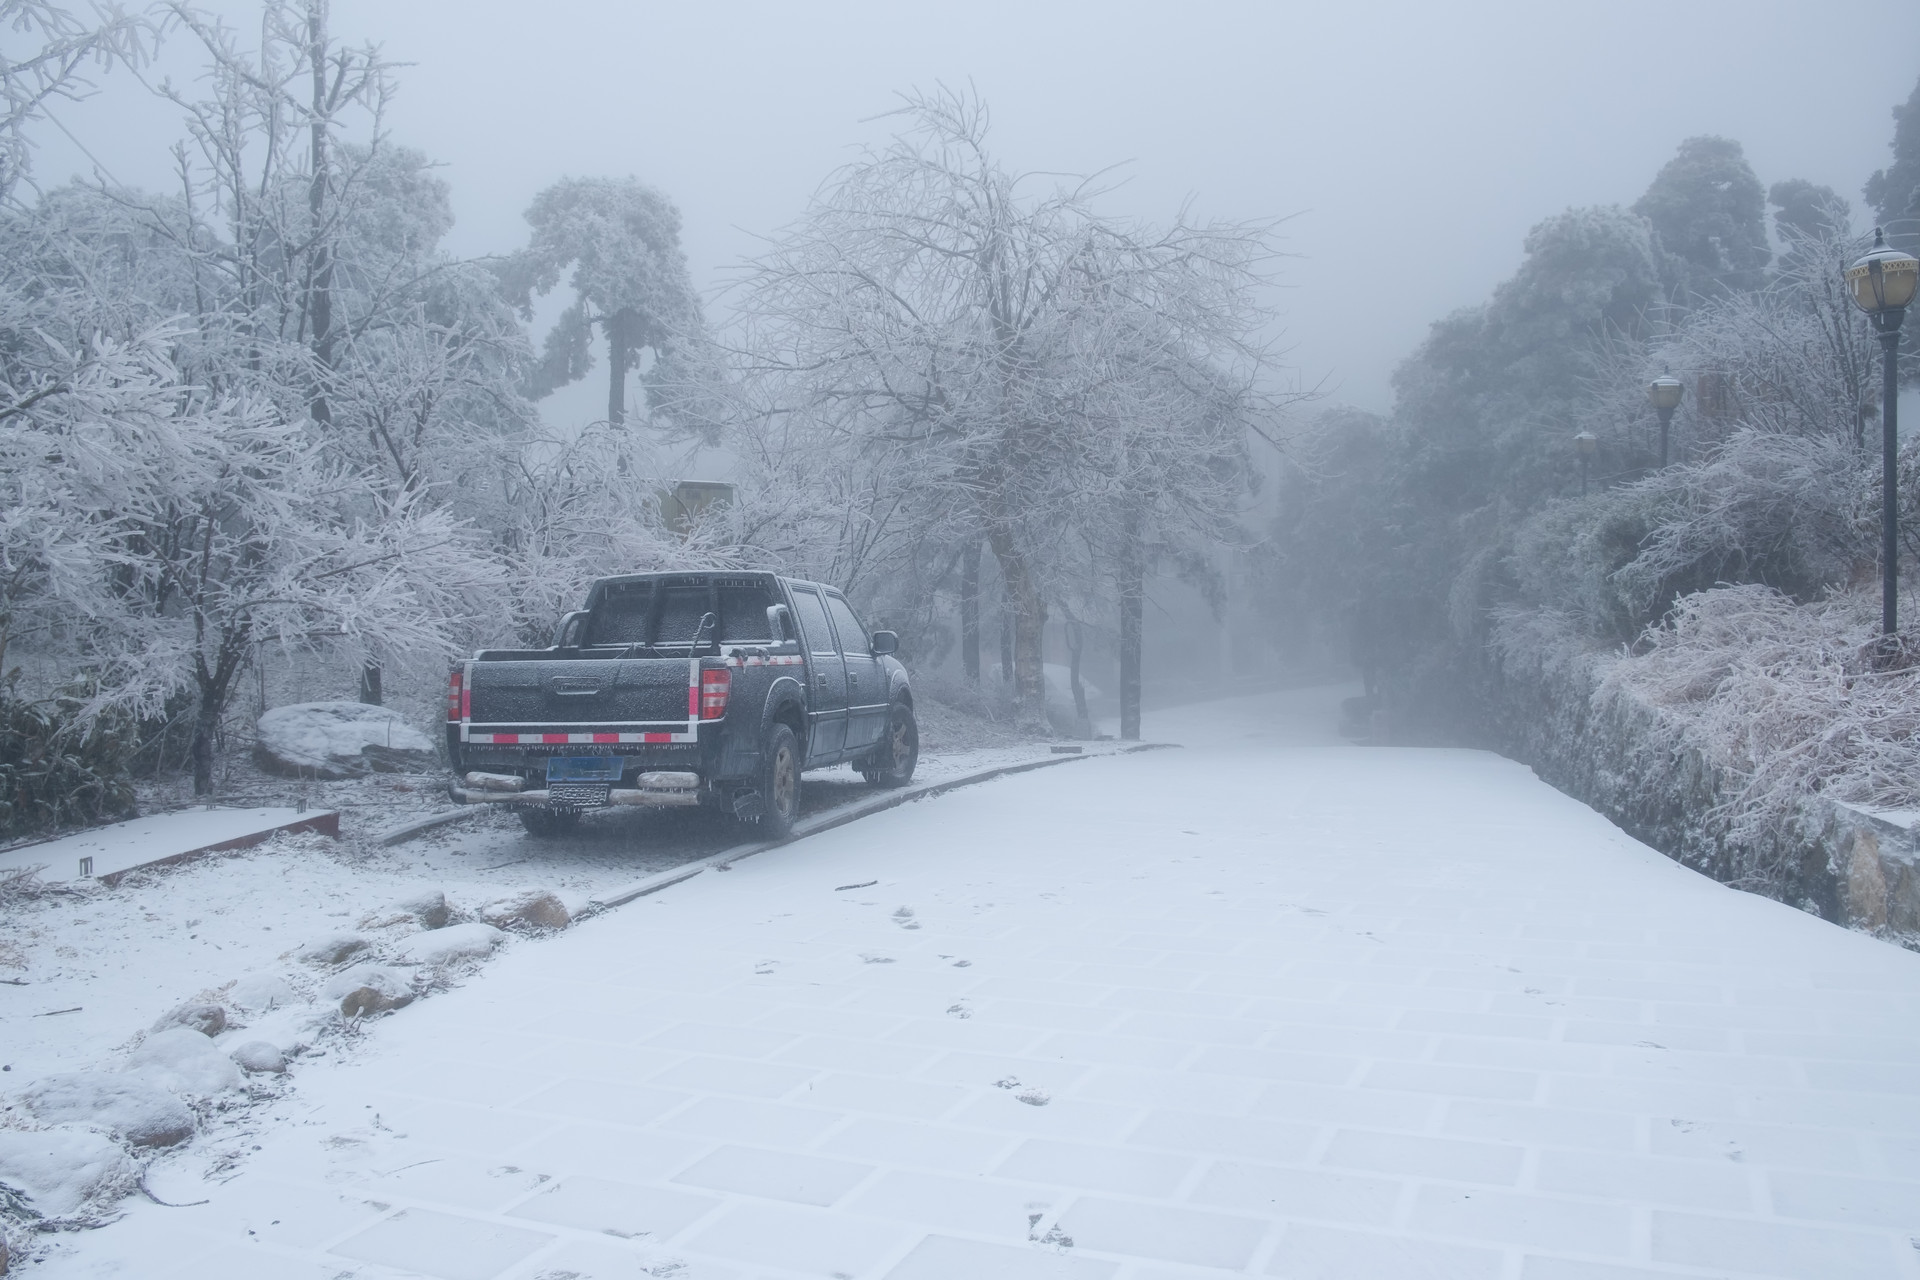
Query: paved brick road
x=1268, y=1010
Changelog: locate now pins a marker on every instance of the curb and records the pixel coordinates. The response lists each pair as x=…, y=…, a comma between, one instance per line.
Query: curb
x=839, y=818
x=408, y=830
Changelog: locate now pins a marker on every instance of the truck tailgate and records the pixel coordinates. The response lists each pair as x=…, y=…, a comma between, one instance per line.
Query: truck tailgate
x=598, y=692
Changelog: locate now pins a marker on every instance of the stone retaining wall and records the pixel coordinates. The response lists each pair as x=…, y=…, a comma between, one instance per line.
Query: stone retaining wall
x=1856, y=867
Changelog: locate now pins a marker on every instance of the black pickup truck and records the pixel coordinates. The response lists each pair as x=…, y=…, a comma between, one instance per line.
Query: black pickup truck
x=667, y=689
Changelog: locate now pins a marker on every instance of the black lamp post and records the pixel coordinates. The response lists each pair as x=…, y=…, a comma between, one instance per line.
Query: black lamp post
x=1882, y=284
x=1664, y=392
x=1586, y=444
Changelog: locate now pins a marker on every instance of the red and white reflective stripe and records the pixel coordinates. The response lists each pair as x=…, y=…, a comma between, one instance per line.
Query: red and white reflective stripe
x=775, y=660
x=577, y=739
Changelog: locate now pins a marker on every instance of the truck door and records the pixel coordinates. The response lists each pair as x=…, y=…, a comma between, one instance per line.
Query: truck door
x=866, y=679
x=827, y=698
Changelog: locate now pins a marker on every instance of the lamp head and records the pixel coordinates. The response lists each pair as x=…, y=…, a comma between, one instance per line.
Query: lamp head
x=1665, y=392
x=1884, y=279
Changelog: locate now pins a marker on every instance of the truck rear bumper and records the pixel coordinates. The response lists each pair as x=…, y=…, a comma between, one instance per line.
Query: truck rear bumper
x=658, y=789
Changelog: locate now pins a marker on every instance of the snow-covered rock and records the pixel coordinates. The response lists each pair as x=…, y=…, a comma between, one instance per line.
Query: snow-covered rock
x=368, y=989
x=207, y=1019
x=429, y=910
x=340, y=740
x=458, y=942
x=259, y=992
x=538, y=908
x=129, y=1106
x=186, y=1062
x=65, y=1172
x=258, y=1056
x=332, y=949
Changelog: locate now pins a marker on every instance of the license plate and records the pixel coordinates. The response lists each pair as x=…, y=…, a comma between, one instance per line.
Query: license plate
x=583, y=769
x=583, y=794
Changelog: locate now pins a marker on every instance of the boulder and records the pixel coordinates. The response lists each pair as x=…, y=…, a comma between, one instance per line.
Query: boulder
x=428, y=910
x=258, y=1057
x=332, y=949
x=187, y=1063
x=536, y=908
x=368, y=989
x=207, y=1019
x=443, y=946
x=65, y=1172
x=128, y=1106
x=260, y=992
x=339, y=740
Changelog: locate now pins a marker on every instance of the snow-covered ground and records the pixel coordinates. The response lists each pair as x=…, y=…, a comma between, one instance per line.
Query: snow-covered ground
x=85, y=970
x=1270, y=1005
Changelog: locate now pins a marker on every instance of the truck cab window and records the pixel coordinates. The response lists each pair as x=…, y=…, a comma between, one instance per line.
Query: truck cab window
x=743, y=615
x=813, y=620
x=620, y=615
x=853, y=636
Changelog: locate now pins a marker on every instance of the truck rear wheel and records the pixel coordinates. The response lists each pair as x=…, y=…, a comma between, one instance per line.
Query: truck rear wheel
x=779, y=782
x=891, y=762
x=545, y=824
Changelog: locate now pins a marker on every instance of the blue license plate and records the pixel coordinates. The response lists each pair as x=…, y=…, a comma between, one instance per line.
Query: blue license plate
x=583, y=769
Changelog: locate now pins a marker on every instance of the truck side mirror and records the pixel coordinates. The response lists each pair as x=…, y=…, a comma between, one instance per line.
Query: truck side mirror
x=567, y=634
x=882, y=643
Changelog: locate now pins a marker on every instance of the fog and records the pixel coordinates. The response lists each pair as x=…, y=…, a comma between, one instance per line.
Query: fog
x=1410, y=145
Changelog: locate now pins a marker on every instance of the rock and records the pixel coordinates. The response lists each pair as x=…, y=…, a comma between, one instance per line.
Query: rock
x=428, y=910
x=64, y=1172
x=368, y=989
x=340, y=740
x=257, y=1056
x=537, y=908
x=443, y=946
x=332, y=950
x=207, y=1019
x=132, y=1108
x=260, y=992
x=187, y=1063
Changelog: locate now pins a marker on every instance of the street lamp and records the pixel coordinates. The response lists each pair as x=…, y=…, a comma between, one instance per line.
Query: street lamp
x=1664, y=392
x=1882, y=285
x=1586, y=444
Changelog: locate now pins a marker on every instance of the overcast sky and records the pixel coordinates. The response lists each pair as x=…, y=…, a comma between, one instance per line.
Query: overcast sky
x=1414, y=143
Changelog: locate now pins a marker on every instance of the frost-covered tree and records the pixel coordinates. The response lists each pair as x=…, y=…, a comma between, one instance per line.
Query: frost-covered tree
x=1894, y=192
x=999, y=341
x=617, y=242
x=46, y=53
x=1709, y=212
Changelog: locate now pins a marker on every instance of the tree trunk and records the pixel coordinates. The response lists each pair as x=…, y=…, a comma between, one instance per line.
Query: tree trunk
x=206, y=727
x=1082, y=721
x=370, y=683
x=1029, y=624
x=970, y=610
x=1133, y=594
x=320, y=291
x=618, y=353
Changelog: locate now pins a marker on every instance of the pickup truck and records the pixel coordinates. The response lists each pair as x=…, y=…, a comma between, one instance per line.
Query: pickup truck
x=678, y=689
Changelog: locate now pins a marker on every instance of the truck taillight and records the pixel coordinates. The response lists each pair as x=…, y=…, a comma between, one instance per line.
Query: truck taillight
x=715, y=684
x=456, y=695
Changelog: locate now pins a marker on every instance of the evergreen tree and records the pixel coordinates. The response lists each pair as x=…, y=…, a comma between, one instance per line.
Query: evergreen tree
x=1894, y=192
x=1708, y=211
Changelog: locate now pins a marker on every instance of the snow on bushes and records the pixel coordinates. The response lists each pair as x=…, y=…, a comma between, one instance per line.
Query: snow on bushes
x=340, y=740
x=1785, y=696
x=63, y=1174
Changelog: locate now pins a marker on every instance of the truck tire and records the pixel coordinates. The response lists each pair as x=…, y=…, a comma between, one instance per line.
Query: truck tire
x=545, y=824
x=891, y=762
x=779, y=782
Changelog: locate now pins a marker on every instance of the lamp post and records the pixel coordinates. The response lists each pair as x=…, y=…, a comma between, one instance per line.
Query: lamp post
x=1882, y=285
x=1664, y=392
x=1586, y=444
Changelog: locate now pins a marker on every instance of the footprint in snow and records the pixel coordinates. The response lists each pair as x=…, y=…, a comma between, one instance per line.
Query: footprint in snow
x=960, y=1010
x=1034, y=1098
x=867, y=957
x=903, y=917
x=1007, y=1082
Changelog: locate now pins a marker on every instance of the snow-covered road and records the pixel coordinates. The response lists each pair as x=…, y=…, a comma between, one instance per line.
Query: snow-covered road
x=1269, y=1005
